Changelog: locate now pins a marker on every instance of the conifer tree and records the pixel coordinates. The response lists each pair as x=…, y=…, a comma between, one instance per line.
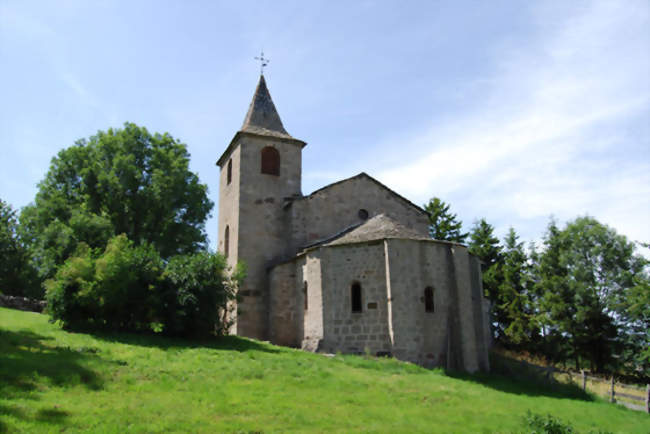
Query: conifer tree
x=587, y=276
x=515, y=312
x=557, y=310
x=485, y=245
x=443, y=224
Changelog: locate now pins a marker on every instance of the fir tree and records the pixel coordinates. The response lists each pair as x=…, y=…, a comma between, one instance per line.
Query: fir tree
x=443, y=224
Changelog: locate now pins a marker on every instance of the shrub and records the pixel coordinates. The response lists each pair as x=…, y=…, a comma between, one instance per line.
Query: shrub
x=202, y=294
x=116, y=291
x=128, y=285
x=540, y=424
x=129, y=288
x=71, y=294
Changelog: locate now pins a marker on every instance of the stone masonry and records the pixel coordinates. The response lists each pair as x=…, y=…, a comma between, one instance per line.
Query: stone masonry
x=347, y=268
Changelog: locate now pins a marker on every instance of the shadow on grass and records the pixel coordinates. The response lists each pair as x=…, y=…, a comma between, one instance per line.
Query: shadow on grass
x=27, y=364
x=232, y=343
x=387, y=365
x=511, y=377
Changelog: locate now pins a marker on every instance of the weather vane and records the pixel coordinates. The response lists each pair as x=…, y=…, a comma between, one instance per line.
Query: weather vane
x=263, y=62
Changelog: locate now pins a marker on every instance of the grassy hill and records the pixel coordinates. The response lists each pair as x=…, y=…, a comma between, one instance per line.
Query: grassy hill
x=51, y=380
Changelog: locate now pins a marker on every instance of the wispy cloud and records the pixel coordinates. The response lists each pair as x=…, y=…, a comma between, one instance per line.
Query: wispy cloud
x=551, y=135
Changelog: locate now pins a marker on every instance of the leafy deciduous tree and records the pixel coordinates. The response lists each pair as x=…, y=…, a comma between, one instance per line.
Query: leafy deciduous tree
x=16, y=275
x=119, y=181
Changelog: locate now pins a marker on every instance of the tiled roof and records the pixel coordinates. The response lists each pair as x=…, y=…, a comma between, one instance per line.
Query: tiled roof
x=262, y=117
x=377, y=228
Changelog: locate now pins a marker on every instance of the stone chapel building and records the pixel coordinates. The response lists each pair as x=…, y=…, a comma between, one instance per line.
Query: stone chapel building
x=349, y=267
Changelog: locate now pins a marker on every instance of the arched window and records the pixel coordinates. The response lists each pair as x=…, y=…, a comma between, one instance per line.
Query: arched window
x=355, y=294
x=226, y=241
x=229, y=172
x=304, y=294
x=428, y=299
x=270, y=161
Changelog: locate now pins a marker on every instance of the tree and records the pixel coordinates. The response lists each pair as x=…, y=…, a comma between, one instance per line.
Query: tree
x=129, y=288
x=634, y=310
x=556, y=307
x=16, y=275
x=587, y=276
x=485, y=245
x=443, y=224
x=514, y=310
x=119, y=181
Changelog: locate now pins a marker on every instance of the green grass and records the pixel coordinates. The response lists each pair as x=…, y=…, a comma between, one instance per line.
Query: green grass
x=52, y=380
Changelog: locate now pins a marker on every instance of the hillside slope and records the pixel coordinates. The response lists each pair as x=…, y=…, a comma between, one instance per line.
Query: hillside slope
x=52, y=380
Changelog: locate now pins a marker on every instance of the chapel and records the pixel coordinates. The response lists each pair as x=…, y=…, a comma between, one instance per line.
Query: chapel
x=349, y=267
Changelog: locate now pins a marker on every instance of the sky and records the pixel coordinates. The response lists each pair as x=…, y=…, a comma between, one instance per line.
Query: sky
x=515, y=112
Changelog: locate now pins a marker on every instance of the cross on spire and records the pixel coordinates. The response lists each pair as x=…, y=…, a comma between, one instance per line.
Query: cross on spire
x=263, y=62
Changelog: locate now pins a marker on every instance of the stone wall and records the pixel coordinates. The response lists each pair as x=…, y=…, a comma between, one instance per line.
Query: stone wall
x=262, y=225
x=22, y=303
x=419, y=336
x=393, y=275
x=453, y=334
x=344, y=330
x=311, y=286
x=332, y=209
x=286, y=316
x=229, y=212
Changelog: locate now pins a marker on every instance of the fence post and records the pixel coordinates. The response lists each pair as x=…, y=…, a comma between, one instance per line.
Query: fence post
x=647, y=398
x=611, y=392
x=584, y=380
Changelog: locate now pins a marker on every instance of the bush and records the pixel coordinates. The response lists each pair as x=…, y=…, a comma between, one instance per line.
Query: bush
x=129, y=288
x=71, y=296
x=129, y=281
x=202, y=294
x=539, y=424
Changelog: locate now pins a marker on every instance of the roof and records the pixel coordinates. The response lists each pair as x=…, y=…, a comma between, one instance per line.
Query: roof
x=379, y=227
x=262, y=120
x=262, y=117
x=370, y=178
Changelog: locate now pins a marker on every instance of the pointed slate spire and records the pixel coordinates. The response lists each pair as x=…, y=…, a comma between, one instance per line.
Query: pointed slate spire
x=262, y=117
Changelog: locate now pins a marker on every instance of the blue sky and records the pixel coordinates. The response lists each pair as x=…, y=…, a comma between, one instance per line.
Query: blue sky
x=512, y=111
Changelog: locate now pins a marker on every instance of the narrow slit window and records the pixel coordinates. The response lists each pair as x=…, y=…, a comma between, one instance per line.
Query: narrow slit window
x=304, y=294
x=229, y=172
x=270, y=161
x=355, y=293
x=226, y=241
x=428, y=299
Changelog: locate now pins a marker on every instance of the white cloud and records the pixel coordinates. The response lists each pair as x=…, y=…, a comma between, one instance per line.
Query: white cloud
x=542, y=141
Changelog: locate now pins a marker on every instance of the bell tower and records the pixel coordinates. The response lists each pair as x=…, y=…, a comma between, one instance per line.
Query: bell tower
x=259, y=169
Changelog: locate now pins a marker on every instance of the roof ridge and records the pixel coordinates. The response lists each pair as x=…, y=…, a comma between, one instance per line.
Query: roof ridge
x=361, y=175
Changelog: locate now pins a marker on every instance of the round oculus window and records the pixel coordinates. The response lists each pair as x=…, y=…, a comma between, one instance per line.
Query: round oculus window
x=363, y=214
